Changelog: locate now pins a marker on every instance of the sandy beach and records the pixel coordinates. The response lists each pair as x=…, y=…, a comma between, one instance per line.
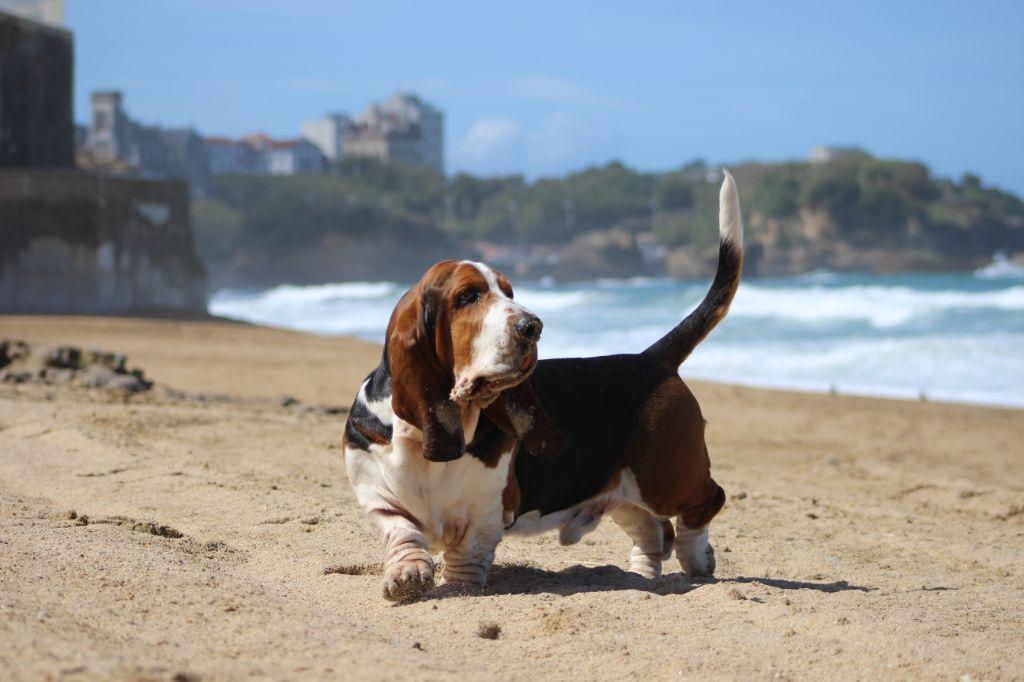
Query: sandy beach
x=209, y=532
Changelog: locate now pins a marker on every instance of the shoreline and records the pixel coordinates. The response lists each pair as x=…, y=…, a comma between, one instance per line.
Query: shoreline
x=44, y=329
x=879, y=393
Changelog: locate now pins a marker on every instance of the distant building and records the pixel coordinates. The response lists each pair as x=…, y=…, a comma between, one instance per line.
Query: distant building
x=147, y=153
x=328, y=134
x=36, y=122
x=228, y=156
x=76, y=241
x=293, y=157
x=401, y=128
x=109, y=133
x=115, y=141
x=185, y=157
x=259, y=153
x=824, y=153
x=49, y=12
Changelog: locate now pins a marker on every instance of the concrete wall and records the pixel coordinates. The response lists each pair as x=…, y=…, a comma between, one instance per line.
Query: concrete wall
x=36, y=120
x=73, y=242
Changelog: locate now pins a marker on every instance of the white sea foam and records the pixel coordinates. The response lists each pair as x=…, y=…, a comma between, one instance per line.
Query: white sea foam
x=360, y=308
x=984, y=369
x=289, y=294
x=817, y=277
x=881, y=306
x=1001, y=267
x=949, y=337
x=630, y=283
x=542, y=301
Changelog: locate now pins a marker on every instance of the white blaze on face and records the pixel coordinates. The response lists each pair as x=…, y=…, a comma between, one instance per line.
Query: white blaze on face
x=495, y=350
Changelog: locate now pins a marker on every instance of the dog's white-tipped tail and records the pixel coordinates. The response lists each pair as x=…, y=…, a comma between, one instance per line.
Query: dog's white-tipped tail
x=730, y=221
x=675, y=346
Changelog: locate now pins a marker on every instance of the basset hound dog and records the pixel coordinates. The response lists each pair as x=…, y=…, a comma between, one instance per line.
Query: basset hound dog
x=461, y=435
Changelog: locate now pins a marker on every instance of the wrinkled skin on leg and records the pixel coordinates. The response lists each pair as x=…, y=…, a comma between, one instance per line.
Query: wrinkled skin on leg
x=408, y=566
x=648, y=536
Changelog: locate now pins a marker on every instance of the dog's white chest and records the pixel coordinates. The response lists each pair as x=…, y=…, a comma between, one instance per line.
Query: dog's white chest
x=444, y=498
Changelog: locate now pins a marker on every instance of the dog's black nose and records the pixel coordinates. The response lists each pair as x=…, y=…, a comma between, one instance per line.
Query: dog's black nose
x=529, y=327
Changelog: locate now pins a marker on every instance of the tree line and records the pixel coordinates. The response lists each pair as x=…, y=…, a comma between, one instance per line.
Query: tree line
x=859, y=199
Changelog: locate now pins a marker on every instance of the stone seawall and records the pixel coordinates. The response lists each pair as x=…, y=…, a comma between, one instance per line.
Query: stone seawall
x=74, y=242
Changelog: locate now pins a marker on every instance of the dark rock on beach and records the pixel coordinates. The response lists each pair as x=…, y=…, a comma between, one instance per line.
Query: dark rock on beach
x=21, y=363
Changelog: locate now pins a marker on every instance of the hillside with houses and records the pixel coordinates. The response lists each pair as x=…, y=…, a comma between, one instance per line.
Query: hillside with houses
x=843, y=210
x=366, y=196
x=403, y=128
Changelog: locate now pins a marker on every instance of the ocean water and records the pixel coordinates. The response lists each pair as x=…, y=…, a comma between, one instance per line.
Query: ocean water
x=956, y=338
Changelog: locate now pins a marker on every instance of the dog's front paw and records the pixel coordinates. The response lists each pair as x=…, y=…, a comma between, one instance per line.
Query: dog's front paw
x=408, y=579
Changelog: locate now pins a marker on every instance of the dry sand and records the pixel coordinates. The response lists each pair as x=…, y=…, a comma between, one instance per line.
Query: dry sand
x=162, y=538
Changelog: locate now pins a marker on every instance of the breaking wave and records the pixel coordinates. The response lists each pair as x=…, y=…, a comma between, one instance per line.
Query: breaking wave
x=879, y=306
x=951, y=337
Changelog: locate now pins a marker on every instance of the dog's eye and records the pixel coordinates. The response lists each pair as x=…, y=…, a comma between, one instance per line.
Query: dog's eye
x=467, y=298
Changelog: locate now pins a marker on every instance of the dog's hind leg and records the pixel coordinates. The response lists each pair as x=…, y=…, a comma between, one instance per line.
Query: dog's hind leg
x=648, y=535
x=695, y=554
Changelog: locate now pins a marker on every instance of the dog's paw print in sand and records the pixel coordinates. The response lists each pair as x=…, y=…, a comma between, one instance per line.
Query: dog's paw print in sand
x=354, y=569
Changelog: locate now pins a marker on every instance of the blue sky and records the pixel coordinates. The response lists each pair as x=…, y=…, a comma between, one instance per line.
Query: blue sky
x=545, y=87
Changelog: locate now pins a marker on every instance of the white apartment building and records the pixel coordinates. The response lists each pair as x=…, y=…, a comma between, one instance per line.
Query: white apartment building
x=328, y=134
x=401, y=128
x=293, y=157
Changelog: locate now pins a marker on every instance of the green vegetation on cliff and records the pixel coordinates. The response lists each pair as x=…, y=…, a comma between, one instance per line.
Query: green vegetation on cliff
x=368, y=220
x=855, y=212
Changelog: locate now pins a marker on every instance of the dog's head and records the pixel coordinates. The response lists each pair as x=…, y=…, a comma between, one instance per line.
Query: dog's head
x=455, y=340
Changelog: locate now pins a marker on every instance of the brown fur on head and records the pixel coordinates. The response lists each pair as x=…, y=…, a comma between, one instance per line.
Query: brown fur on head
x=457, y=340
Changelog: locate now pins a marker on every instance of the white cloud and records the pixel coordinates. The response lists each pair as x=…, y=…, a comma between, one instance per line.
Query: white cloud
x=557, y=140
x=489, y=138
x=562, y=91
x=563, y=142
x=554, y=144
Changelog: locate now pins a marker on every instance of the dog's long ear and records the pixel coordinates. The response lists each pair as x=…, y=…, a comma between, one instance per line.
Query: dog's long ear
x=518, y=411
x=421, y=375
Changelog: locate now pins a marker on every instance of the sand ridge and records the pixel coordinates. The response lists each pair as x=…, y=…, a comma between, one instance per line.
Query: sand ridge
x=156, y=536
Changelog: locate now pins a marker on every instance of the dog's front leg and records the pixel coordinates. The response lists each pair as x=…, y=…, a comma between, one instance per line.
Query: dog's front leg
x=408, y=566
